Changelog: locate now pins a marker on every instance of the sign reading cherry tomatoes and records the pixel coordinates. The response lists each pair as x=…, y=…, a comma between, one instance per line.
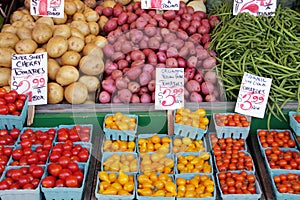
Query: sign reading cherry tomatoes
x=169, y=93
x=253, y=95
x=50, y=8
x=29, y=76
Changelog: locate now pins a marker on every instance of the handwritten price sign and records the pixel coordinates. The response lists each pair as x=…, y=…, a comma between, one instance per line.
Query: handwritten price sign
x=50, y=8
x=255, y=7
x=160, y=4
x=169, y=92
x=29, y=76
x=253, y=95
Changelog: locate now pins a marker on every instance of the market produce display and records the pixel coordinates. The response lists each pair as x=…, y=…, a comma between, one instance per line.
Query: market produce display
x=263, y=46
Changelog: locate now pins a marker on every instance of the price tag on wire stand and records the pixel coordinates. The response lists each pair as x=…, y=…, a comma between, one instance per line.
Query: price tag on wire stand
x=261, y=7
x=29, y=76
x=169, y=88
x=49, y=8
x=253, y=95
x=160, y=4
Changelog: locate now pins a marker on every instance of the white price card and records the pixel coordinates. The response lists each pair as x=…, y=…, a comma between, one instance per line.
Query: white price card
x=29, y=76
x=169, y=88
x=160, y=4
x=255, y=7
x=253, y=95
x=49, y=8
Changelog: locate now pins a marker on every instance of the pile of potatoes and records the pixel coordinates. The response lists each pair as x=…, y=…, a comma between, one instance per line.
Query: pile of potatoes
x=73, y=44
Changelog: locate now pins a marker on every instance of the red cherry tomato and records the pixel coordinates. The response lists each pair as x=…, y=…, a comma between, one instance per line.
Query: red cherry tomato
x=38, y=172
x=9, y=98
x=59, y=183
x=54, y=169
x=54, y=156
x=22, y=97
x=19, y=104
x=17, y=154
x=64, y=161
x=4, y=110
x=79, y=175
x=73, y=166
x=83, y=156
x=72, y=181
x=48, y=182
x=11, y=107
x=14, y=133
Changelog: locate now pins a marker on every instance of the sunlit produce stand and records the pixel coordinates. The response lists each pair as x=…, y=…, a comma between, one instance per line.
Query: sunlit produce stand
x=147, y=99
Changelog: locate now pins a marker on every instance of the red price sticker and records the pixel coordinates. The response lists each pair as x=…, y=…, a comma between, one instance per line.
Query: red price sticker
x=253, y=96
x=29, y=76
x=169, y=92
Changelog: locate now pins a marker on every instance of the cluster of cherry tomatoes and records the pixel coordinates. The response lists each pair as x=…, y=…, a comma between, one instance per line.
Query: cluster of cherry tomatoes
x=236, y=120
x=66, y=174
x=287, y=183
x=283, y=159
x=22, y=178
x=9, y=137
x=31, y=137
x=11, y=103
x=5, y=153
x=276, y=138
x=68, y=151
x=226, y=144
x=78, y=133
x=237, y=182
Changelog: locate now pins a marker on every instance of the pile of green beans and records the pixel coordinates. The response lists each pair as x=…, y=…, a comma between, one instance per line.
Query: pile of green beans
x=260, y=45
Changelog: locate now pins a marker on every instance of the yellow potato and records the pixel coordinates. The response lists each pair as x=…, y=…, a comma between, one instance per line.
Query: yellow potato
x=76, y=93
x=55, y=93
x=66, y=75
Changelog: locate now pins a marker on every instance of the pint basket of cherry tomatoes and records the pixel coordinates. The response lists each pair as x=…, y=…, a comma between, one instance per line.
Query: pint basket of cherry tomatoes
x=282, y=158
x=116, y=161
x=65, y=181
x=21, y=182
x=195, y=186
x=192, y=124
x=9, y=137
x=295, y=122
x=13, y=109
x=154, y=142
x=236, y=185
x=109, y=145
x=232, y=125
x=5, y=153
x=119, y=126
x=37, y=136
x=115, y=185
x=281, y=138
x=286, y=184
x=223, y=144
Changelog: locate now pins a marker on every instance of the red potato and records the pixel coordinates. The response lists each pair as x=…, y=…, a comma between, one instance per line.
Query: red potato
x=148, y=68
x=107, y=11
x=151, y=12
x=118, y=46
x=116, y=74
x=195, y=37
x=186, y=93
x=126, y=46
x=125, y=27
x=137, y=55
x=150, y=30
x=172, y=52
x=108, y=50
x=146, y=16
x=192, y=62
x=189, y=73
x=99, y=9
x=139, y=11
x=169, y=37
x=147, y=51
x=177, y=43
x=161, y=56
x=138, y=63
x=153, y=22
x=141, y=22
x=213, y=20
x=122, y=64
x=187, y=16
x=174, y=25
x=117, y=56
x=117, y=9
x=104, y=97
x=131, y=17
x=124, y=95
x=158, y=17
x=152, y=58
x=183, y=52
x=202, y=54
x=110, y=67
x=181, y=62
x=203, y=29
x=154, y=43
x=191, y=30
x=205, y=38
x=182, y=34
x=163, y=23
x=196, y=97
x=134, y=86
x=206, y=45
x=136, y=5
x=169, y=15
x=205, y=22
x=189, y=10
x=198, y=77
x=121, y=83
x=122, y=19
x=207, y=88
x=144, y=78
x=210, y=76
x=209, y=63
x=109, y=85
x=201, y=14
x=135, y=98
x=143, y=44
x=171, y=63
x=136, y=35
x=193, y=86
x=129, y=7
x=196, y=23
x=110, y=25
x=210, y=98
x=151, y=86
x=133, y=73
x=145, y=98
x=116, y=99
x=164, y=47
x=153, y=74
x=184, y=24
